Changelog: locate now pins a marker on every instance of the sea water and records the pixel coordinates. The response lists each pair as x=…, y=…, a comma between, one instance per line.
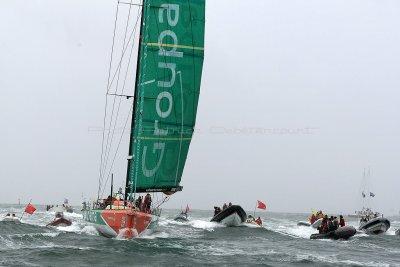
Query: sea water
x=197, y=242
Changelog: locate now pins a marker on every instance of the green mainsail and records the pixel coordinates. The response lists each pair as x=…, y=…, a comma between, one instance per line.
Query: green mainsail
x=167, y=93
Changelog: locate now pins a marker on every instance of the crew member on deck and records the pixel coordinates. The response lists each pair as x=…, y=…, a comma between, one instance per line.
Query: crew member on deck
x=224, y=207
x=148, y=208
x=107, y=202
x=259, y=221
x=146, y=204
x=138, y=203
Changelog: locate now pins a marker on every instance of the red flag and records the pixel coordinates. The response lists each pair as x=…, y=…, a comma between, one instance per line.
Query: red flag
x=261, y=205
x=30, y=208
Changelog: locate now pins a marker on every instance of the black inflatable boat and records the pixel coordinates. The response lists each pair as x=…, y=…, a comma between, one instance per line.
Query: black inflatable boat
x=341, y=233
x=231, y=216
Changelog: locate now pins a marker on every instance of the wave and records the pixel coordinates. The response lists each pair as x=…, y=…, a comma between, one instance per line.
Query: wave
x=332, y=259
x=195, y=223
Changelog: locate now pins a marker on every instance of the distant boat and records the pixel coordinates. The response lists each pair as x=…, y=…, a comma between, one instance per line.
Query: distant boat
x=375, y=226
x=231, y=216
x=10, y=217
x=251, y=220
x=314, y=220
x=370, y=222
x=60, y=220
x=65, y=207
x=315, y=225
x=165, y=98
x=183, y=216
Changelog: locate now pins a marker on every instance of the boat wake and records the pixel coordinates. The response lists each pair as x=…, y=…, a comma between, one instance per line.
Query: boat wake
x=195, y=223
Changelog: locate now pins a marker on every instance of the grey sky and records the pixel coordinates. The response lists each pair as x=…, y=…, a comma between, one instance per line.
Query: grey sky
x=297, y=98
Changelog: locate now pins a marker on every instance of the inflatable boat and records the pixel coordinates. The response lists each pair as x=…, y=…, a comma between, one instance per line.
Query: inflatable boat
x=303, y=223
x=341, y=233
x=231, y=216
x=375, y=226
x=315, y=225
x=60, y=220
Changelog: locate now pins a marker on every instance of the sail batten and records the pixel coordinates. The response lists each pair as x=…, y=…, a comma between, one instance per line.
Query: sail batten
x=167, y=89
x=176, y=46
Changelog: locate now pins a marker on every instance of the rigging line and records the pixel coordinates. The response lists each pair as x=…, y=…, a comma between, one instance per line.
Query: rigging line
x=119, y=106
x=132, y=4
x=116, y=90
x=105, y=107
x=120, y=95
x=123, y=89
x=119, y=143
x=123, y=53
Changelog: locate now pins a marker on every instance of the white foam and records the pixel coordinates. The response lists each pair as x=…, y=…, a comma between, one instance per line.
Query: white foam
x=391, y=231
x=153, y=235
x=90, y=230
x=206, y=225
x=74, y=227
x=166, y=222
x=252, y=225
x=197, y=223
x=292, y=230
x=73, y=215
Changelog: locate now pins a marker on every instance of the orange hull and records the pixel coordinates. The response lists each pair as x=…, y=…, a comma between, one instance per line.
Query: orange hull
x=122, y=223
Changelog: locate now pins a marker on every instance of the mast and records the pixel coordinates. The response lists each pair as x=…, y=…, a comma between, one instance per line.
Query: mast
x=131, y=136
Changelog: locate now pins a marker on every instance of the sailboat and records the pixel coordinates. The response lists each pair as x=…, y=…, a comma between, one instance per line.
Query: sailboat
x=167, y=86
x=183, y=216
